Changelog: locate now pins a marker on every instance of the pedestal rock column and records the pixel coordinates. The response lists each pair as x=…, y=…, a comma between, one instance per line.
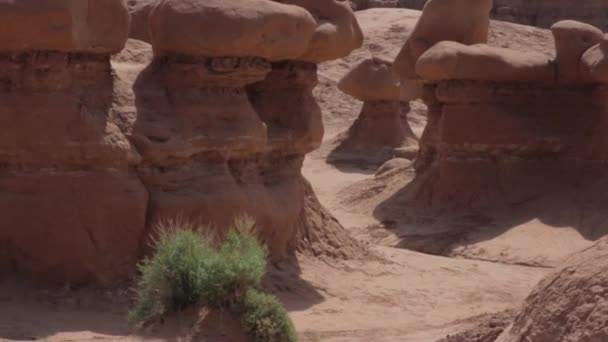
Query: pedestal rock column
x=203, y=144
x=379, y=131
x=73, y=209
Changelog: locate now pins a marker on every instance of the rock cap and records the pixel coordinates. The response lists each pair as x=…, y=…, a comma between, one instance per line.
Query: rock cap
x=337, y=31
x=454, y=61
x=572, y=39
x=462, y=21
x=236, y=28
x=371, y=80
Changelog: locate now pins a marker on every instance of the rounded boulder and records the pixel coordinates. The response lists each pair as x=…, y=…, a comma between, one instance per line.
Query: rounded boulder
x=235, y=28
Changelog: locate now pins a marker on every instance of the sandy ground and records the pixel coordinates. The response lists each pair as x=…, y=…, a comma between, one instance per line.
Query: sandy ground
x=398, y=295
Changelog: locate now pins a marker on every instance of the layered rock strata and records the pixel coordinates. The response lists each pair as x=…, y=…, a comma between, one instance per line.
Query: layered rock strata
x=73, y=206
x=95, y=157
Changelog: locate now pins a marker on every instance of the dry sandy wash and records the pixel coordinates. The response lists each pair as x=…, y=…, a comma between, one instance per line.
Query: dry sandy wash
x=422, y=274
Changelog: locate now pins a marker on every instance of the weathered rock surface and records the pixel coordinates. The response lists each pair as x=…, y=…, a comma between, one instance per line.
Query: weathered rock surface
x=569, y=305
x=265, y=29
x=96, y=154
x=488, y=328
x=572, y=39
x=337, y=31
x=449, y=60
x=594, y=63
x=139, y=10
x=497, y=117
x=469, y=25
x=73, y=207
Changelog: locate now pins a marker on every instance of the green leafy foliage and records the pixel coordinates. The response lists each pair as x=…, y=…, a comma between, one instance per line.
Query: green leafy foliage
x=265, y=320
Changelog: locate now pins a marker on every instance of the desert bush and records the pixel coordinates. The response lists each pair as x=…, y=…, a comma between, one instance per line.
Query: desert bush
x=189, y=269
x=264, y=319
x=192, y=267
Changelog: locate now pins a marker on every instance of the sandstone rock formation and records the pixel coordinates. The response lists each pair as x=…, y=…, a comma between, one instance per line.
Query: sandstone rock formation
x=94, y=157
x=380, y=123
x=139, y=10
x=469, y=24
x=594, y=63
x=449, y=60
x=244, y=153
x=572, y=39
x=484, y=137
x=499, y=117
x=337, y=32
x=569, y=305
x=73, y=207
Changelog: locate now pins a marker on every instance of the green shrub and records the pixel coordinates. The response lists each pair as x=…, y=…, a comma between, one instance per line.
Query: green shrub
x=264, y=319
x=190, y=269
x=187, y=269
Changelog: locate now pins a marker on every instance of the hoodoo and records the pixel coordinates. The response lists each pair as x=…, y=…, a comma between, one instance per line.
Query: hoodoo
x=505, y=124
x=94, y=157
x=73, y=207
x=380, y=125
x=469, y=23
x=206, y=152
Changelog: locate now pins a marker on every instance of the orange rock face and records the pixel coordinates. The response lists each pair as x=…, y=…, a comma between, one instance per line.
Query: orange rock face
x=505, y=125
x=469, y=25
x=73, y=206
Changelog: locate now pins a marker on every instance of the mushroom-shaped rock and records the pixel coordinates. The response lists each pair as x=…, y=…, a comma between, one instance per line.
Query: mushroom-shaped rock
x=468, y=23
x=572, y=39
x=225, y=116
x=449, y=60
x=73, y=208
x=594, y=63
x=569, y=305
x=380, y=125
x=236, y=28
x=89, y=26
x=337, y=30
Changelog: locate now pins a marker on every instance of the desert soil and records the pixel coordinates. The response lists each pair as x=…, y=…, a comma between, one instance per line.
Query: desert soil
x=396, y=294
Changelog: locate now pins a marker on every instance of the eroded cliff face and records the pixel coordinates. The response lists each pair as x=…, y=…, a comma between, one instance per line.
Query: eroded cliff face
x=490, y=144
x=72, y=203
